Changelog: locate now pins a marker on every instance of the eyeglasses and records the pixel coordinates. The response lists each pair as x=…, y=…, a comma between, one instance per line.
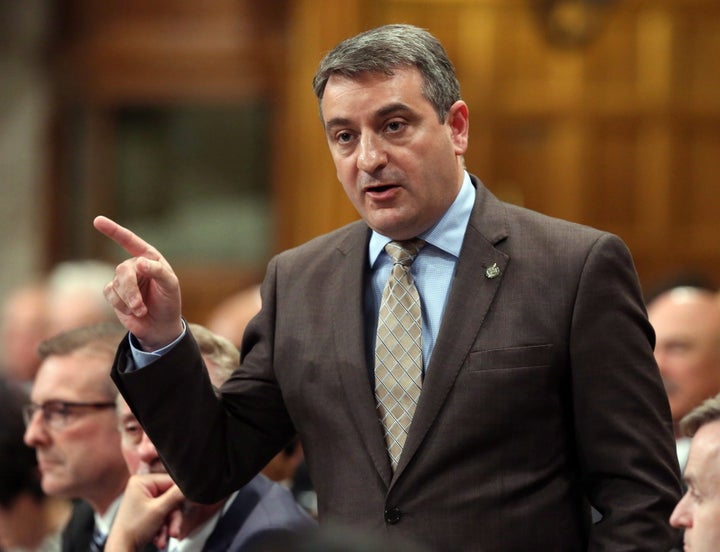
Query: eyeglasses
x=57, y=414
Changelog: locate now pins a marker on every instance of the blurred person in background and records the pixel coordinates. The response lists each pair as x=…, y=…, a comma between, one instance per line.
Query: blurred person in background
x=23, y=325
x=30, y=520
x=686, y=321
x=75, y=297
x=261, y=507
x=288, y=468
x=231, y=316
x=69, y=297
x=698, y=512
x=71, y=422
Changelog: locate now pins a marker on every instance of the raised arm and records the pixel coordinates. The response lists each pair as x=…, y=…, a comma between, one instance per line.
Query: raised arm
x=145, y=292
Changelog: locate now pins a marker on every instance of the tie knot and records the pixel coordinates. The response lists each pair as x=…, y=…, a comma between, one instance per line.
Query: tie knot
x=404, y=252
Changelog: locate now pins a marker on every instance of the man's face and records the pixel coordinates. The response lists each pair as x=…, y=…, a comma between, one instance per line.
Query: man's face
x=141, y=456
x=139, y=453
x=81, y=458
x=698, y=512
x=687, y=350
x=399, y=165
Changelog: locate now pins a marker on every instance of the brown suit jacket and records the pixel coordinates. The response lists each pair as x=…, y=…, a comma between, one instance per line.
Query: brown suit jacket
x=541, y=396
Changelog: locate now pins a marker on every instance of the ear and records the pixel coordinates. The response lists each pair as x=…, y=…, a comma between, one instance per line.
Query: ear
x=458, y=119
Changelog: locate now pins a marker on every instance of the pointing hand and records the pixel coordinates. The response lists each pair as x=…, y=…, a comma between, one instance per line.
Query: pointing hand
x=145, y=292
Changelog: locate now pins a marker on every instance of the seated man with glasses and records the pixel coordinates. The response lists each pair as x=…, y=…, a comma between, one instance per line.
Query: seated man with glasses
x=72, y=424
x=260, y=510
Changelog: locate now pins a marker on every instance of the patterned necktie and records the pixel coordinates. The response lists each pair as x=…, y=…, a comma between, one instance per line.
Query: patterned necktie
x=97, y=544
x=398, y=348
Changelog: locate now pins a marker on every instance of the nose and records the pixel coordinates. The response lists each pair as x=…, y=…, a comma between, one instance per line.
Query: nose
x=35, y=432
x=371, y=155
x=146, y=450
x=682, y=516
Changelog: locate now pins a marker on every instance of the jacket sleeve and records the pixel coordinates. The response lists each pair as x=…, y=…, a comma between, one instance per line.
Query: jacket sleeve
x=211, y=441
x=623, y=427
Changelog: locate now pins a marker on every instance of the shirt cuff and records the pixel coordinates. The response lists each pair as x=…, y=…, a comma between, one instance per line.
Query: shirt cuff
x=143, y=358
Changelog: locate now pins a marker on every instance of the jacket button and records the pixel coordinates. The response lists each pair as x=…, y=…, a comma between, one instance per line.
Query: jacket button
x=392, y=515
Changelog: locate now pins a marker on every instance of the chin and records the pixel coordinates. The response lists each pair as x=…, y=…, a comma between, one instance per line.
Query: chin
x=57, y=489
x=395, y=231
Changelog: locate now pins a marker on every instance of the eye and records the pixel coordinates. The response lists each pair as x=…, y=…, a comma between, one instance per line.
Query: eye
x=55, y=412
x=395, y=126
x=343, y=137
x=678, y=347
x=131, y=427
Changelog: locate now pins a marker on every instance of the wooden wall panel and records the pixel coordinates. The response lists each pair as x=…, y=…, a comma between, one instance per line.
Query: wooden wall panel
x=310, y=200
x=169, y=51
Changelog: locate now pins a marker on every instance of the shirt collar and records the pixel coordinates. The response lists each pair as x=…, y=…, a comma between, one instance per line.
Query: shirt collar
x=196, y=540
x=104, y=522
x=446, y=234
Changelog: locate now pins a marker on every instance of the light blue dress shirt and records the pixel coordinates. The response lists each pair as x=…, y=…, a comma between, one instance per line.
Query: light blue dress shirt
x=432, y=270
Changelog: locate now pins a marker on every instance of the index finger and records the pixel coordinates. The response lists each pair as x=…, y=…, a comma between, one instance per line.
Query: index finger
x=128, y=240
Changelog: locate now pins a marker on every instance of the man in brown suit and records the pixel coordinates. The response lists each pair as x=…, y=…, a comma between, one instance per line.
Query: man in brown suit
x=540, y=397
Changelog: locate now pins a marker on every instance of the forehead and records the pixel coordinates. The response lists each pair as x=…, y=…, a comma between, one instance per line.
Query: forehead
x=688, y=312
x=349, y=95
x=81, y=375
x=703, y=465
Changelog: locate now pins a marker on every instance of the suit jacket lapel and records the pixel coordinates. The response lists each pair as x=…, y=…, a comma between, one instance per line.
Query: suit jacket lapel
x=230, y=522
x=472, y=293
x=350, y=338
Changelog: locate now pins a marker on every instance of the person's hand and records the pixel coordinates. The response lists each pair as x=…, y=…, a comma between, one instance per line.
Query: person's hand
x=145, y=513
x=145, y=292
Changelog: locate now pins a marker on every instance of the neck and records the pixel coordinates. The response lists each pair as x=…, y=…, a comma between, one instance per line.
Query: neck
x=101, y=504
x=194, y=515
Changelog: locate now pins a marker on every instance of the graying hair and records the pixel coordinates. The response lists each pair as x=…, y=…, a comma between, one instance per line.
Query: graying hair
x=221, y=356
x=707, y=412
x=386, y=48
x=100, y=339
x=85, y=278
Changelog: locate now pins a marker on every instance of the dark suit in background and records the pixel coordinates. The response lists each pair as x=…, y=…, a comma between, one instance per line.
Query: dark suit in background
x=542, y=395
x=261, y=510
x=78, y=532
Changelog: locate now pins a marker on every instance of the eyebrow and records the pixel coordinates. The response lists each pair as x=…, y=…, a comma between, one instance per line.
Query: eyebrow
x=397, y=107
x=394, y=108
x=337, y=122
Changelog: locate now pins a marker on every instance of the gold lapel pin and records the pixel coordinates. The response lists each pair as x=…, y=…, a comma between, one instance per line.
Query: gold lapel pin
x=492, y=271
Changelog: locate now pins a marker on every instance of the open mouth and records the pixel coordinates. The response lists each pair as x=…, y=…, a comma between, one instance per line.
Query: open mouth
x=380, y=189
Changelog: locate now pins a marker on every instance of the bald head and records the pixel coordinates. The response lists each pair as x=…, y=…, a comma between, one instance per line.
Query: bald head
x=687, y=326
